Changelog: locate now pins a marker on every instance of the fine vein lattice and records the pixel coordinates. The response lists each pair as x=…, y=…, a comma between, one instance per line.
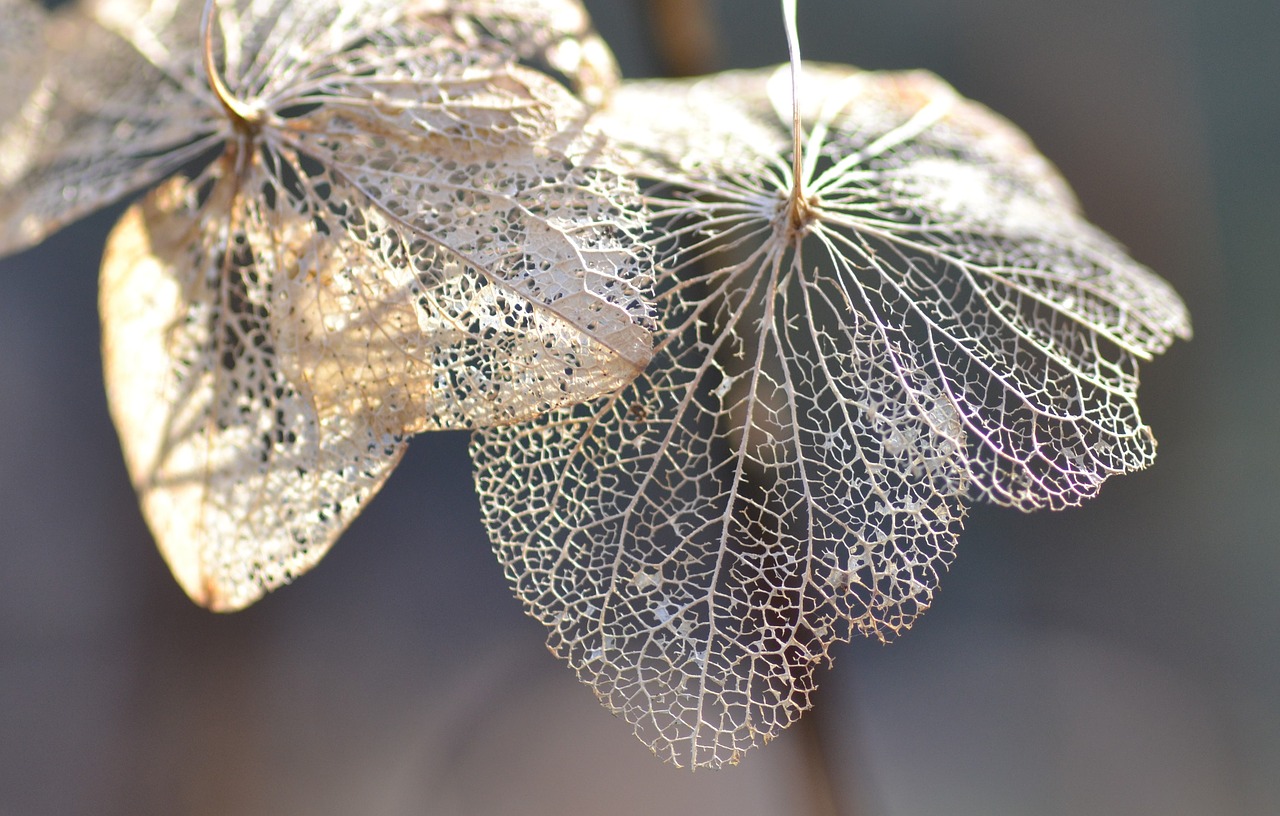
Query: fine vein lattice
x=372, y=218
x=855, y=338
x=399, y=227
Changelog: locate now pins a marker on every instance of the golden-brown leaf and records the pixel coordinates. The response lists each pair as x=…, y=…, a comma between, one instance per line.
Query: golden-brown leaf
x=399, y=226
x=244, y=477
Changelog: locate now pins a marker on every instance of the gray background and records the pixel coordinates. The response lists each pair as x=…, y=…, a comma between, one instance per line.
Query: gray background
x=1121, y=658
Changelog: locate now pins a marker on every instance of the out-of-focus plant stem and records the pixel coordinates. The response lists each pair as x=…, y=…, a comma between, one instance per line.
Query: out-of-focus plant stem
x=684, y=36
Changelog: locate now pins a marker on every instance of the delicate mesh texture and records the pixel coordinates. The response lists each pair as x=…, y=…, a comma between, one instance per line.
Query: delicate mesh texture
x=829, y=383
x=558, y=315
x=427, y=235
x=103, y=122
x=555, y=34
x=245, y=472
x=122, y=100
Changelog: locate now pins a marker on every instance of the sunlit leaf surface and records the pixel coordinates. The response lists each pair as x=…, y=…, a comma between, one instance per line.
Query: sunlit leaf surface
x=930, y=320
x=556, y=34
x=399, y=227
x=24, y=57
x=244, y=467
x=21, y=40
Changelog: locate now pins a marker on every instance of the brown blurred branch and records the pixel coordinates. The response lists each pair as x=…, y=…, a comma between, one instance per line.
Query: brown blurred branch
x=815, y=754
x=684, y=35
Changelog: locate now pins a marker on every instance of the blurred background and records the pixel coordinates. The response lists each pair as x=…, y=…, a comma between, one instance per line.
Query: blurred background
x=1120, y=658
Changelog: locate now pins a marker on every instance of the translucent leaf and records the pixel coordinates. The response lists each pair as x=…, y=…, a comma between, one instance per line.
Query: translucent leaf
x=124, y=101
x=559, y=317
x=23, y=64
x=551, y=35
x=105, y=122
x=556, y=34
x=20, y=43
x=243, y=475
x=930, y=317
x=970, y=250
x=427, y=234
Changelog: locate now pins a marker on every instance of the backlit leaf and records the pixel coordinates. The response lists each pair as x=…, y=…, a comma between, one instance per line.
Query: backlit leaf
x=245, y=470
x=556, y=34
x=23, y=64
x=421, y=228
x=924, y=316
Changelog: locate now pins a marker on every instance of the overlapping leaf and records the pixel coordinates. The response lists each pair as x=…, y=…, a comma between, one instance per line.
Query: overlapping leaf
x=556, y=34
x=930, y=318
x=399, y=227
x=245, y=469
x=21, y=39
x=23, y=58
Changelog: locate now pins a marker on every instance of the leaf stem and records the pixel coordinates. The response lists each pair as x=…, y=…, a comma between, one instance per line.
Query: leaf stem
x=243, y=117
x=793, y=51
x=798, y=209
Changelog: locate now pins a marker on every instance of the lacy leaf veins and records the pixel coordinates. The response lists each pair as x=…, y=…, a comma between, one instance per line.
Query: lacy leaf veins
x=856, y=338
x=381, y=220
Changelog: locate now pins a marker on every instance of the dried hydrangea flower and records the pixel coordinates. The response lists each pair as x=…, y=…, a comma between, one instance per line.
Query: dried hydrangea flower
x=879, y=301
x=397, y=227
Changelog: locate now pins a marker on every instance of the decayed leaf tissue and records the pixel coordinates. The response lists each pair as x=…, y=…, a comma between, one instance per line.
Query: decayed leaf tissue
x=723, y=420
x=397, y=228
x=928, y=321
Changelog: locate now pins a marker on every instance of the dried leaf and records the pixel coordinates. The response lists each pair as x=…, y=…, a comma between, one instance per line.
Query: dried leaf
x=126, y=101
x=23, y=59
x=428, y=236
x=556, y=34
x=21, y=40
x=244, y=476
x=108, y=122
x=917, y=314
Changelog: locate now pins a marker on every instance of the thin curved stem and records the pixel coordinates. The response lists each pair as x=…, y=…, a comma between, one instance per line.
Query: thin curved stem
x=793, y=51
x=243, y=117
x=798, y=205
